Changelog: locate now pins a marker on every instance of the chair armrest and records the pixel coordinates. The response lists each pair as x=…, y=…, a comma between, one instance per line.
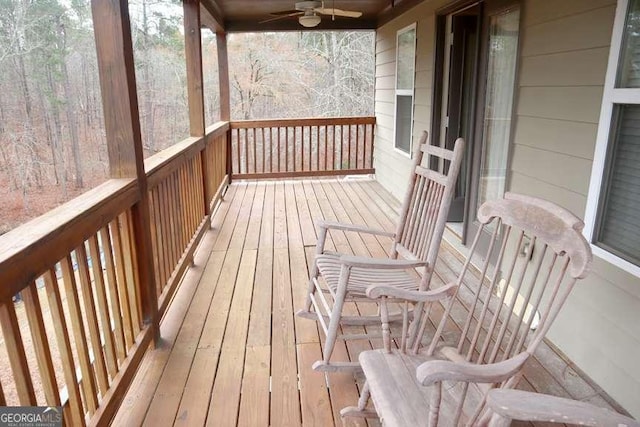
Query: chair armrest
x=527, y=406
x=331, y=225
x=443, y=370
x=380, y=263
x=377, y=291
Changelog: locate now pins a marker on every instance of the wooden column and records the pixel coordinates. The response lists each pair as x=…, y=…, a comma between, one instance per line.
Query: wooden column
x=122, y=124
x=225, y=98
x=193, y=58
x=195, y=91
x=223, y=76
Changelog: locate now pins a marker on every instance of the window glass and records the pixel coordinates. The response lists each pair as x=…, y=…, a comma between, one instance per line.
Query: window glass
x=405, y=71
x=501, y=72
x=619, y=229
x=404, y=107
x=629, y=70
x=406, y=59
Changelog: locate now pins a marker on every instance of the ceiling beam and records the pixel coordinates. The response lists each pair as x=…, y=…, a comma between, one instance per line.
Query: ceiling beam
x=211, y=16
x=291, y=24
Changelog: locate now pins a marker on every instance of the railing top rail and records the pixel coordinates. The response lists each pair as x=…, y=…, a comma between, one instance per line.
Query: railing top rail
x=328, y=121
x=162, y=163
x=28, y=250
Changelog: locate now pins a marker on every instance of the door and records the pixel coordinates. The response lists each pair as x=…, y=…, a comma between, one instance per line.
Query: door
x=477, y=51
x=461, y=59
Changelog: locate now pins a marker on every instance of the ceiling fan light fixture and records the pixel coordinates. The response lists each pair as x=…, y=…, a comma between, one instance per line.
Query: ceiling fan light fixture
x=309, y=20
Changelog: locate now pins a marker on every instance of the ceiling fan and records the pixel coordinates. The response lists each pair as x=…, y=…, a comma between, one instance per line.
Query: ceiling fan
x=309, y=12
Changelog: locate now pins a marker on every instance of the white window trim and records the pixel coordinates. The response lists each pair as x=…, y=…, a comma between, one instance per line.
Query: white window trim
x=610, y=97
x=405, y=92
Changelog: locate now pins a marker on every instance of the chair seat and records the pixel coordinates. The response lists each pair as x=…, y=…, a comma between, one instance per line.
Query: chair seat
x=361, y=278
x=398, y=397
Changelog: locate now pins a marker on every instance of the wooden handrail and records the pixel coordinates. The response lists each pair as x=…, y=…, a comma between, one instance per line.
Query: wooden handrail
x=29, y=250
x=165, y=162
x=87, y=248
x=315, y=121
x=85, y=254
x=287, y=148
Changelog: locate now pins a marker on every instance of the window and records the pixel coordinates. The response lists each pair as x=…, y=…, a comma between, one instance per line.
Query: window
x=613, y=206
x=405, y=75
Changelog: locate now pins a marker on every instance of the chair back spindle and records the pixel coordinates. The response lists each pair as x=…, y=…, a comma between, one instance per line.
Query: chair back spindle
x=426, y=205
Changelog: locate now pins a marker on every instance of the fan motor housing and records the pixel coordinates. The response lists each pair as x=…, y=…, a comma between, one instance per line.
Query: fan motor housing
x=307, y=5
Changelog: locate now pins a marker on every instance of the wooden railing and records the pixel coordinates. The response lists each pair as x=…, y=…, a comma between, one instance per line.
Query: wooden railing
x=302, y=147
x=80, y=333
x=86, y=319
x=180, y=180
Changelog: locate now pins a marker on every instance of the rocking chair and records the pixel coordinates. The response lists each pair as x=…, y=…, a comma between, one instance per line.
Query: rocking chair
x=500, y=312
x=337, y=278
x=509, y=405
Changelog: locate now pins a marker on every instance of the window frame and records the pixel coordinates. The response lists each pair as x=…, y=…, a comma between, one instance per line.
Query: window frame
x=404, y=92
x=611, y=97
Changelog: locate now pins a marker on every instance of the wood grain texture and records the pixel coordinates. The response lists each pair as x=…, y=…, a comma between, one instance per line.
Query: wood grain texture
x=223, y=77
x=193, y=59
x=277, y=283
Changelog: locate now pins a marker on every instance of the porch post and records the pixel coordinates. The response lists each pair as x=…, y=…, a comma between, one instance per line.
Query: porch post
x=122, y=124
x=225, y=98
x=195, y=85
x=193, y=58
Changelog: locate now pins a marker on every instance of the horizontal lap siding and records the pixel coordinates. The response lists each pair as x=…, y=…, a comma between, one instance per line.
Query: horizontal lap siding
x=565, y=48
x=392, y=167
x=564, y=53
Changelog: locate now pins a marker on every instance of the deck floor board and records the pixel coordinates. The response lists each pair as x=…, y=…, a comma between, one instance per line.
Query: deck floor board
x=232, y=351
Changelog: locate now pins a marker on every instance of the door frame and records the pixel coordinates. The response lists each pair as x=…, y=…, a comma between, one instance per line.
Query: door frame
x=488, y=8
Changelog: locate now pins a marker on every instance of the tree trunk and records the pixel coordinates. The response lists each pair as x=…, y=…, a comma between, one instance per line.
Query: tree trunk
x=58, y=148
x=72, y=122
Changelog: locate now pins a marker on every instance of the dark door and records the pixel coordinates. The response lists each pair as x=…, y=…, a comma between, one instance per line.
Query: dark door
x=476, y=58
x=462, y=69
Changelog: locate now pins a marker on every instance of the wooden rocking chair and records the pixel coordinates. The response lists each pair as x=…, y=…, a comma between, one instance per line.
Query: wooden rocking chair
x=508, y=405
x=336, y=278
x=500, y=312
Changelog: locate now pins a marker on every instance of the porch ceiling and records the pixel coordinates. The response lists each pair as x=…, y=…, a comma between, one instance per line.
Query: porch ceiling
x=247, y=15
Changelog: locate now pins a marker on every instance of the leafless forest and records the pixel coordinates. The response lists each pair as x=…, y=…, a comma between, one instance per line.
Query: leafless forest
x=52, y=140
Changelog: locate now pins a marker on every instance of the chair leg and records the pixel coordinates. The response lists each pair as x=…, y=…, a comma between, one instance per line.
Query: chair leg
x=434, y=404
x=336, y=314
x=313, y=271
x=361, y=410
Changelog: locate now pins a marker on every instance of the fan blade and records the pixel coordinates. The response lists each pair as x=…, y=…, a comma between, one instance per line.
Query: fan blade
x=338, y=12
x=296, y=13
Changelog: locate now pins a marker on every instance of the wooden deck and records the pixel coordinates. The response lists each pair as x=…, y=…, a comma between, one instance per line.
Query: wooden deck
x=232, y=351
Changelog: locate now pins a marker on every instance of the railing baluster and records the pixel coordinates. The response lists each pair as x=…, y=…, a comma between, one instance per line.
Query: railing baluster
x=91, y=318
x=15, y=351
x=271, y=145
x=33, y=310
x=255, y=159
x=286, y=149
x=103, y=307
x=357, y=144
x=112, y=287
x=130, y=268
x=64, y=348
x=121, y=283
x=246, y=151
x=316, y=150
x=237, y=135
x=80, y=338
x=264, y=144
